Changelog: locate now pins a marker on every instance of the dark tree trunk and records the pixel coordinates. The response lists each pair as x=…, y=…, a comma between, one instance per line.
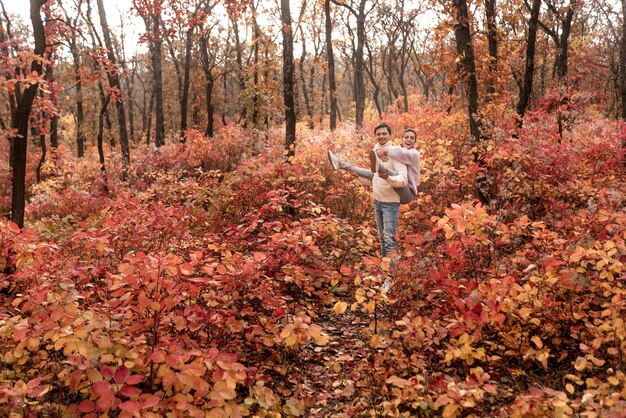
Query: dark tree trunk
x=622, y=71
x=563, y=45
x=80, y=115
x=288, y=70
x=103, y=170
x=42, y=159
x=305, y=92
x=490, y=11
x=370, y=74
x=240, y=70
x=467, y=65
x=255, y=40
x=208, y=87
x=527, y=84
x=131, y=102
x=332, y=84
x=114, y=81
x=622, y=64
x=184, y=101
x=359, y=78
x=54, y=120
x=179, y=76
x=20, y=119
x=150, y=112
x=159, y=132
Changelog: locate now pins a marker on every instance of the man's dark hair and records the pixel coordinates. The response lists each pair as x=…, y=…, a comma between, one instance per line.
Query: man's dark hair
x=383, y=125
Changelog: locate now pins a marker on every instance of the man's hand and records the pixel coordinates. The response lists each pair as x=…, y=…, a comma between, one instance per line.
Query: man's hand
x=382, y=154
x=383, y=175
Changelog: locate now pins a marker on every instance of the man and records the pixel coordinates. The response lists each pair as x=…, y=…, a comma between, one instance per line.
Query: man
x=386, y=200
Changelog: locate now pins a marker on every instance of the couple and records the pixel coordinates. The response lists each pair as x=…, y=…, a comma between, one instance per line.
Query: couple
x=394, y=176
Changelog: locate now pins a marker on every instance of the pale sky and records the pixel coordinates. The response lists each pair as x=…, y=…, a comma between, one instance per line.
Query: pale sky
x=113, y=8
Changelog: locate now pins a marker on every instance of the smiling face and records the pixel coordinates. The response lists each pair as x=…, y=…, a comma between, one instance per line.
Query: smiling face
x=408, y=139
x=382, y=135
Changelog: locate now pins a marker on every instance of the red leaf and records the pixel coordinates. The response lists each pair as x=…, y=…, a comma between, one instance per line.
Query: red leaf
x=106, y=371
x=102, y=388
x=151, y=401
x=121, y=374
x=130, y=406
x=130, y=391
x=134, y=379
x=86, y=406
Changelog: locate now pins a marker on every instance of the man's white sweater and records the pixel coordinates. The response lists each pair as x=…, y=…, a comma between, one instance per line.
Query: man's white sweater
x=384, y=188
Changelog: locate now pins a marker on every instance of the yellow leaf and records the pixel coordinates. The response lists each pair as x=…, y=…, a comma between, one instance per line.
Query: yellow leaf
x=450, y=411
x=93, y=375
x=580, y=364
x=570, y=388
x=340, y=307
x=613, y=380
x=537, y=342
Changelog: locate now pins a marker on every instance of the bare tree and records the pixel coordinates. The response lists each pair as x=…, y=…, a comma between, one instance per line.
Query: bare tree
x=288, y=85
x=114, y=82
x=467, y=67
x=526, y=87
x=19, y=118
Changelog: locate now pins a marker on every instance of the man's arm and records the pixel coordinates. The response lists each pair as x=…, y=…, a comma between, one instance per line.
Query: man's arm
x=399, y=180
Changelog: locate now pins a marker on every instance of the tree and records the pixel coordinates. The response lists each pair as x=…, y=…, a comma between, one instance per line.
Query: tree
x=71, y=39
x=116, y=89
x=332, y=84
x=622, y=63
x=288, y=85
x=492, y=41
x=358, y=12
x=19, y=119
x=467, y=67
x=150, y=11
x=527, y=83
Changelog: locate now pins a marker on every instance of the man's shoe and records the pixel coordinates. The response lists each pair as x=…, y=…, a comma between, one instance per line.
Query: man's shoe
x=334, y=161
x=373, y=161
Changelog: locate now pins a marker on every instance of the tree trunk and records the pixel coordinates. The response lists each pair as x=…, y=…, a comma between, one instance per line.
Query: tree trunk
x=527, y=84
x=159, y=132
x=240, y=71
x=622, y=64
x=150, y=112
x=622, y=72
x=465, y=49
x=115, y=84
x=255, y=99
x=332, y=84
x=305, y=92
x=54, y=120
x=490, y=11
x=80, y=115
x=184, y=101
x=42, y=159
x=209, y=84
x=359, y=79
x=563, y=45
x=288, y=70
x=20, y=121
x=103, y=110
x=131, y=101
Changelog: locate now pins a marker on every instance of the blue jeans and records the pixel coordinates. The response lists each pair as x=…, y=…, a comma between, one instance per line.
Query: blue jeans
x=386, y=215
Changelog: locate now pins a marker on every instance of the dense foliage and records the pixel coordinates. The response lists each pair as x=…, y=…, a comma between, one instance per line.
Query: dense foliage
x=221, y=280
